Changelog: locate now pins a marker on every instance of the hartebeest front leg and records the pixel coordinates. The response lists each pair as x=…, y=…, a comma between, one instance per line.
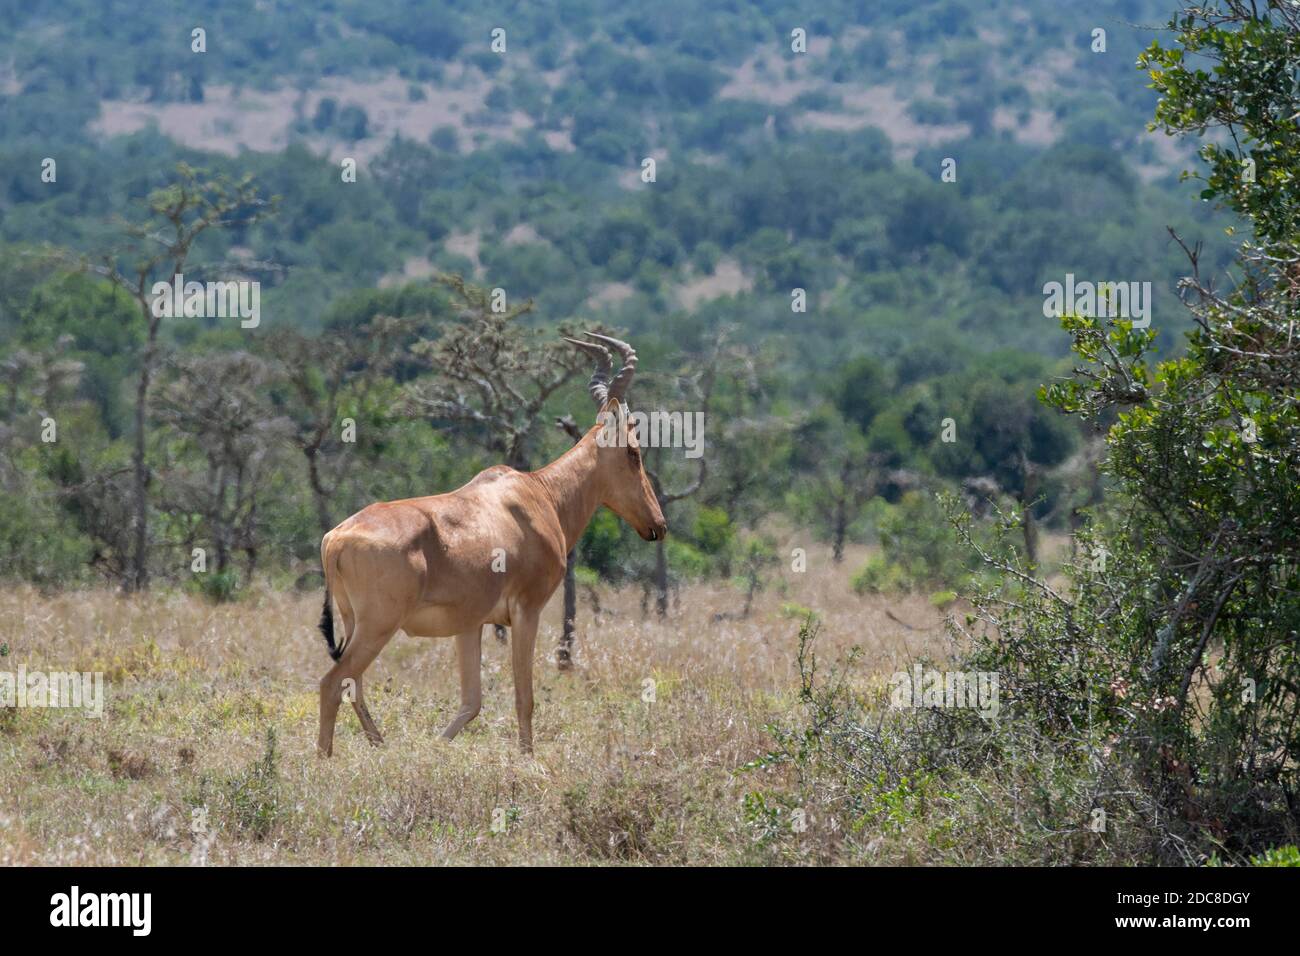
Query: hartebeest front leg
x=523, y=635
x=469, y=659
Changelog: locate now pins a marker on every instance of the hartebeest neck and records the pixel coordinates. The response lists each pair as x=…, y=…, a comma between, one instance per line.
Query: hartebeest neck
x=573, y=482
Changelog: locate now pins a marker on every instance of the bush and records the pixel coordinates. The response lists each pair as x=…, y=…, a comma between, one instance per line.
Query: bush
x=918, y=550
x=249, y=801
x=39, y=541
x=879, y=576
x=713, y=531
x=885, y=784
x=217, y=586
x=1278, y=856
x=687, y=562
x=623, y=818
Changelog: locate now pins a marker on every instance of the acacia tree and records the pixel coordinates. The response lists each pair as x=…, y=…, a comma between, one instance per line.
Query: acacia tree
x=1179, y=651
x=216, y=404
x=343, y=363
x=1005, y=435
x=693, y=389
x=844, y=474
x=158, y=249
x=491, y=375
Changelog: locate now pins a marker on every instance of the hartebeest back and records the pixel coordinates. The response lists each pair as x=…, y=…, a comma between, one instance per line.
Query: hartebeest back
x=490, y=552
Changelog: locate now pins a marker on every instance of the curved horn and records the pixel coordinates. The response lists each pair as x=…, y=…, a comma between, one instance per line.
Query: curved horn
x=599, y=384
x=618, y=387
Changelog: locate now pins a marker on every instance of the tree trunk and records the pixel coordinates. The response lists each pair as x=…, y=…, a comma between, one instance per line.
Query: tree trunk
x=220, y=524
x=661, y=579
x=840, y=524
x=138, y=579
x=564, y=654
x=839, y=530
x=318, y=491
x=749, y=596
x=1028, y=494
x=515, y=456
x=1031, y=535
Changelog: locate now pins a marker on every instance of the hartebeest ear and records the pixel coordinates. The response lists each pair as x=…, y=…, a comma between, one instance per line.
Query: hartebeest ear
x=613, y=421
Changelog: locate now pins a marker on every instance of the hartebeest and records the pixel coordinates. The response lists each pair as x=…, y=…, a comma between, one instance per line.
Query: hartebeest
x=490, y=552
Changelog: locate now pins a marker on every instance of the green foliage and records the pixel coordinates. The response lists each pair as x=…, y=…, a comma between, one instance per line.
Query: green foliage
x=602, y=545
x=894, y=266
x=249, y=800
x=1165, y=644
x=861, y=390
x=797, y=611
x=217, y=586
x=713, y=531
x=1278, y=856
x=252, y=796
x=39, y=541
x=879, y=576
x=1003, y=432
x=687, y=561
x=918, y=550
x=1248, y=88
x=940, y=785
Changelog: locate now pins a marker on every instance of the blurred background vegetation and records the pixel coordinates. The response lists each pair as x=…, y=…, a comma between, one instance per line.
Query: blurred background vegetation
x=776, y=170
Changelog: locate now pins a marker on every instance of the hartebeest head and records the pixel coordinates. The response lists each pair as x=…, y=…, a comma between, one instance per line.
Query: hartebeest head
x=626, y=490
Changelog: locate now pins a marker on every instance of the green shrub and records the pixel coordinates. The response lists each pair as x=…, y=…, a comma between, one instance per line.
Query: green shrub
x=943, y=599
x=1278, y=856
x=687, y=562
x=918, y=550
x=798, y=611
x=249, y=800
x=879, y=576
x=217, y=586
x=934, y=785
x=713, y=531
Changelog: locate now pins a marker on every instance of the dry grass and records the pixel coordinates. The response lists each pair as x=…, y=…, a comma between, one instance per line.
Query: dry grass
x=193, y=690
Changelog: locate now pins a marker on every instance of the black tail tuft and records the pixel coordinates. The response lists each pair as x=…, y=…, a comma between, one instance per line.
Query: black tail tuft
x=327, y=625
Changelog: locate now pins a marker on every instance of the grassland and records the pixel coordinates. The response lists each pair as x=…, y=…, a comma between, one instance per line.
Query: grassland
x=206, y=751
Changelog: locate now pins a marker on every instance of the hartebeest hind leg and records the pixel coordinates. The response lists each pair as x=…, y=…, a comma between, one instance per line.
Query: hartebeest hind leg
x=363, y=714
x=469, y=659
x=362, y=648
x=523, y=635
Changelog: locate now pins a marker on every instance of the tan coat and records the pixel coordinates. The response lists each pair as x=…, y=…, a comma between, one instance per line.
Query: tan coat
x=490, y=552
